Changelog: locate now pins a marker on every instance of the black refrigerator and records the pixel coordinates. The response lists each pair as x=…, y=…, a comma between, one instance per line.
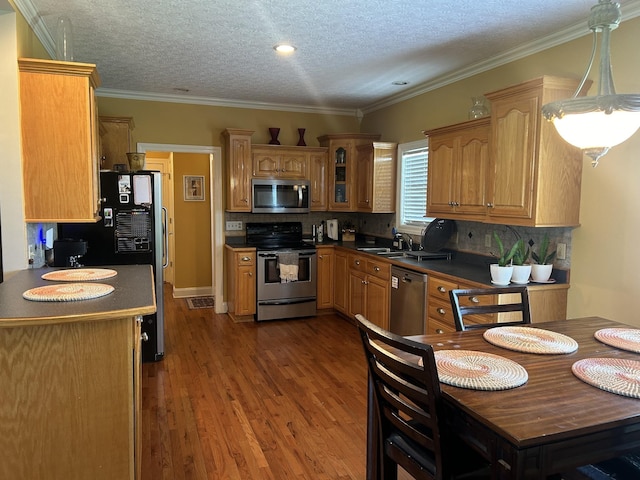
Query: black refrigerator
x=130, y=231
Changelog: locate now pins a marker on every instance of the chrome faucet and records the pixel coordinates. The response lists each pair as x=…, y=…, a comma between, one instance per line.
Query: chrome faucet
x=408, y=240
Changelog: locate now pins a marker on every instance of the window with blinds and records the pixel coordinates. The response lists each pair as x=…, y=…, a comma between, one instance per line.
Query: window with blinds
x=412, y=188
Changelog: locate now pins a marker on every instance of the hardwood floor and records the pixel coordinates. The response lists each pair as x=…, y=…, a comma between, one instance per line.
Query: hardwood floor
x=272, y=400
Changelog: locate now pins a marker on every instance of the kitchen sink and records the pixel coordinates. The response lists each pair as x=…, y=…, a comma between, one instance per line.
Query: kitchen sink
x=392, y=254
x=377, y=250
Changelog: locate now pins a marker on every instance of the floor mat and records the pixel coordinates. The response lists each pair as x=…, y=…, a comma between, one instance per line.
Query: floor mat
x=200, y=302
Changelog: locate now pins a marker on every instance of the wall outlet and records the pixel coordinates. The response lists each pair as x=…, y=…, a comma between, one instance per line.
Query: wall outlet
x=561, y=251
x=234, y=226
x=487, y=240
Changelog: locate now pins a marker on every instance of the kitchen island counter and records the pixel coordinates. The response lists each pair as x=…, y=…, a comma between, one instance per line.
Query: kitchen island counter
x=70, y=373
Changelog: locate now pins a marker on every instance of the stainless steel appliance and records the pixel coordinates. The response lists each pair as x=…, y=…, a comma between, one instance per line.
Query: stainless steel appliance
x=280, y=245
x=408, y=302
x=131, y=231
x=280, y=196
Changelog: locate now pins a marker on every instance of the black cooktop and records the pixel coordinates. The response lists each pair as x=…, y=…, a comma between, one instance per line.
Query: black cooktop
x=275, y=235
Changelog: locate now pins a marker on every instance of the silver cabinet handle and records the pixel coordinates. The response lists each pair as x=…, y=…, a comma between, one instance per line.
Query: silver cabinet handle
x=439, y=331
x=320, y=257
x=144, y=337
x=357, y=262
x=474, y=299
x=441, y=289
x=251, y=274
x=246, y=259
x=376, y=269
x=490, y=205
x=139, y=319
x=441, y=311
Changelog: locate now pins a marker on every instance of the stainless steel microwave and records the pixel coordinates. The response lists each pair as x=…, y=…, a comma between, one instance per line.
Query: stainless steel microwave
x=280, y=196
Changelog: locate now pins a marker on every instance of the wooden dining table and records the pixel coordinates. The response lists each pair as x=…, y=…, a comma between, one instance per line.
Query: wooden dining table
x=553, y=423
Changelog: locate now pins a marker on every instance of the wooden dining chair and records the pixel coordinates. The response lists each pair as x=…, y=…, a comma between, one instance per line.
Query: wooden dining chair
x=485, y=301
x=408, y=409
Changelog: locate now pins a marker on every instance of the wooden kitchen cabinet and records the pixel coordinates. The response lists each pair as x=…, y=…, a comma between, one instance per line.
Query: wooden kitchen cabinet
x=342, y=168
x=369, y=289
x=318, y=177
x=241, y=282
x=239, y=167
x=534, y=175
x=376, y=177
x=275, y=161
x=59, y=122
x=341, y=281
x=325, y=277
x=457, y=172
x=115, y=141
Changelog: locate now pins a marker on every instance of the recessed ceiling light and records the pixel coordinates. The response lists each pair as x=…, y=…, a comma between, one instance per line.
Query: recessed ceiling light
x=284, y=48
x=400, y=82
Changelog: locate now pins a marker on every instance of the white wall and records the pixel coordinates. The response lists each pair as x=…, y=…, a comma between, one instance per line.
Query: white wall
x=14, y=238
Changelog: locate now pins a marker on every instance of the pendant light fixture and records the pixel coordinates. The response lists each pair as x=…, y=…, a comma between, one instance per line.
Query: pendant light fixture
x=597, y=123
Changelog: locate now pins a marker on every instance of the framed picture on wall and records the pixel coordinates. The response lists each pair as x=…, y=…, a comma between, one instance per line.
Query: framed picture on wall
x=193, y=188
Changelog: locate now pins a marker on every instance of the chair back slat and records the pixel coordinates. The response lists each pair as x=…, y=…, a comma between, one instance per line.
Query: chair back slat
x=460, y=310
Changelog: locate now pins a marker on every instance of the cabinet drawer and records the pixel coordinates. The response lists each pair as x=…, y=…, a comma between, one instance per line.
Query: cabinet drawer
x=442, y=312
x=469, y=300
x=436, y=326
x=380, y=269
x=439, y=288
x=358, y=262
x=245, y=258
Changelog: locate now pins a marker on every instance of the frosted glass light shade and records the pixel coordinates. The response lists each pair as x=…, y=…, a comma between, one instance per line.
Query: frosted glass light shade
x=597, y=129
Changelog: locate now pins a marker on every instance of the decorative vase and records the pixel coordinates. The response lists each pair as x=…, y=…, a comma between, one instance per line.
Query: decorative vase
x=301, y=140
x=521, y=274
x=501, y=275
x=274, y=132
x=478, y=108
x=541, y=273
x=64, y=39
x=136, y=161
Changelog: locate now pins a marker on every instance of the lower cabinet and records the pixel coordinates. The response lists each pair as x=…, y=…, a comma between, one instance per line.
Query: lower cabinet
x=341, y=284
x=369, y=289
x=241, y=282
x=325, y=277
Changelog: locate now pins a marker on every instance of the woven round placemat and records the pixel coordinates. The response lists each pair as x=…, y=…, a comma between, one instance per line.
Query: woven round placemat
x=67, y=292
x=80, y=274
x=530, y=340
x=479, y=370
x=623, y=338
x=615, y=375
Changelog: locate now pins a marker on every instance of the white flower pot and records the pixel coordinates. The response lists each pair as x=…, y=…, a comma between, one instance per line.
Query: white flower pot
x=521, y=274
x=541, y=273
x=500, y=275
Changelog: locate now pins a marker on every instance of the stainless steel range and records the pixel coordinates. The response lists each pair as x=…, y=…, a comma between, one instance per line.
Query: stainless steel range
x=286, y=283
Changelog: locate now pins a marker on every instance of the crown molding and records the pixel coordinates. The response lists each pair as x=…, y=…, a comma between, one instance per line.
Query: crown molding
x=221, y=102
x=629, y=11
x=34, y=19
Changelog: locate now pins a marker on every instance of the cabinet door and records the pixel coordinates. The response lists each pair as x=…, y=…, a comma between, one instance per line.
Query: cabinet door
x=239, y=167
x=378, y=303
x=115, y=140
x=59, y=123
x=325, y=278
x=246, y=290
x=513, y=156
x=341, y=159
x=265, y=165
x=341, y=284
x=357, y=293
x=441, y=175
x=318, y=175
x=293, y=165
x=364, y=178
x=471, y=178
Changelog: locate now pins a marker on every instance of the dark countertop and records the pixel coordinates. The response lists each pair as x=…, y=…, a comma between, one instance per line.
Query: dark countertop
x=467, y=266
x=134, y=294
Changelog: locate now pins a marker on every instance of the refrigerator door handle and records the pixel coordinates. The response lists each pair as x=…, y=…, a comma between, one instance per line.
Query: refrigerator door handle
x=165, y=235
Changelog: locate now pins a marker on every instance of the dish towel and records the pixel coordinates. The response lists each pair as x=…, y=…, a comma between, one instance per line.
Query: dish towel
x=288, y=265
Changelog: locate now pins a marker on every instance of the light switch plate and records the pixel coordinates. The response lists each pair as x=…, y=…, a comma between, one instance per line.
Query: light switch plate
x=234, y=226
x=561, y=251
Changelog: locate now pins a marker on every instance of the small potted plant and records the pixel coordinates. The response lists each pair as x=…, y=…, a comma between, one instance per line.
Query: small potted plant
x=521, y=269
x=541, y=270
x=502, y=271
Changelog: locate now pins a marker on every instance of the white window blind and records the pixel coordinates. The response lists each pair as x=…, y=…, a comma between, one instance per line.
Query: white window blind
x=412, y=189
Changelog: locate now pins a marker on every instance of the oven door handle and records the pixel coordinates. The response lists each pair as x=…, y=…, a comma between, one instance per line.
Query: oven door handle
x=300, y=196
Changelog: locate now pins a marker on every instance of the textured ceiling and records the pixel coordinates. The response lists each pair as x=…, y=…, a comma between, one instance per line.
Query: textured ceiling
x=349, y=52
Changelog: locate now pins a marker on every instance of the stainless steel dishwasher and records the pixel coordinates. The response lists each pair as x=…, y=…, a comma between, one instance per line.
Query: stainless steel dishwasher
x=408, y=302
